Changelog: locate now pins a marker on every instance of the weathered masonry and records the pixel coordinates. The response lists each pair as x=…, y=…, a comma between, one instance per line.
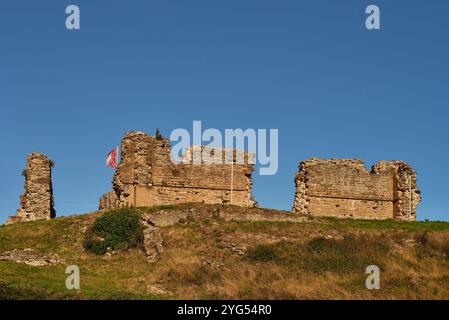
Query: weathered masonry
x=37, y=201
x=146, y=176
x=345, y=188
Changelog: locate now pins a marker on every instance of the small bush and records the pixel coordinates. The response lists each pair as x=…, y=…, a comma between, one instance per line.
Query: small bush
x=194, y=276
x=347, y=255
x=432, y=243
x=262, y=253
x=158, y=135
x=117, y=229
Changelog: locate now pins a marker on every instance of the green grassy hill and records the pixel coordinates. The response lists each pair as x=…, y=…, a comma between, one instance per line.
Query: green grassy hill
x=213, y=258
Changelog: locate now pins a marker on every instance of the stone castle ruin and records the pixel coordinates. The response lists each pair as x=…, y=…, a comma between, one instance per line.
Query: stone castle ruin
x=146, y=176
x=345, y=188
x=37, y=201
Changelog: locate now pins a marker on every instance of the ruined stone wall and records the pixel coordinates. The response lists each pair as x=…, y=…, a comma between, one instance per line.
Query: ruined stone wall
x=146, y=176
x=345, y=188
x=134, y=168
x=406, y=192
x=37, y=201
x=200, y=182
x=108, y=200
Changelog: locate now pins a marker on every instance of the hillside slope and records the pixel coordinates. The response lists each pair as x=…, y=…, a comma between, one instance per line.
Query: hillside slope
x=213, y=253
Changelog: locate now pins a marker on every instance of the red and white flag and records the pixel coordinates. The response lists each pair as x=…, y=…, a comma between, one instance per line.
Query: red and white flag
x=111, y=160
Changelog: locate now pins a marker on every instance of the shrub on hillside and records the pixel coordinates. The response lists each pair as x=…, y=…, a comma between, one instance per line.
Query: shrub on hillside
x=350, y=254
x=432, y=243
x=118, y=229
x=346, y=255
x=262, y=253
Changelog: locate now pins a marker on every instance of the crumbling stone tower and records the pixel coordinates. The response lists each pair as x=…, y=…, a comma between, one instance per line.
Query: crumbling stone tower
x=345, y=188
x=37, y=201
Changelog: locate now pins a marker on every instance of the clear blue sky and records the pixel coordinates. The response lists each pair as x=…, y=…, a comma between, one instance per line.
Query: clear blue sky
x=308, y=68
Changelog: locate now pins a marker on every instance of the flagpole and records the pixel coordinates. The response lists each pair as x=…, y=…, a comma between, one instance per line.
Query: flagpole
x=232, y=177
